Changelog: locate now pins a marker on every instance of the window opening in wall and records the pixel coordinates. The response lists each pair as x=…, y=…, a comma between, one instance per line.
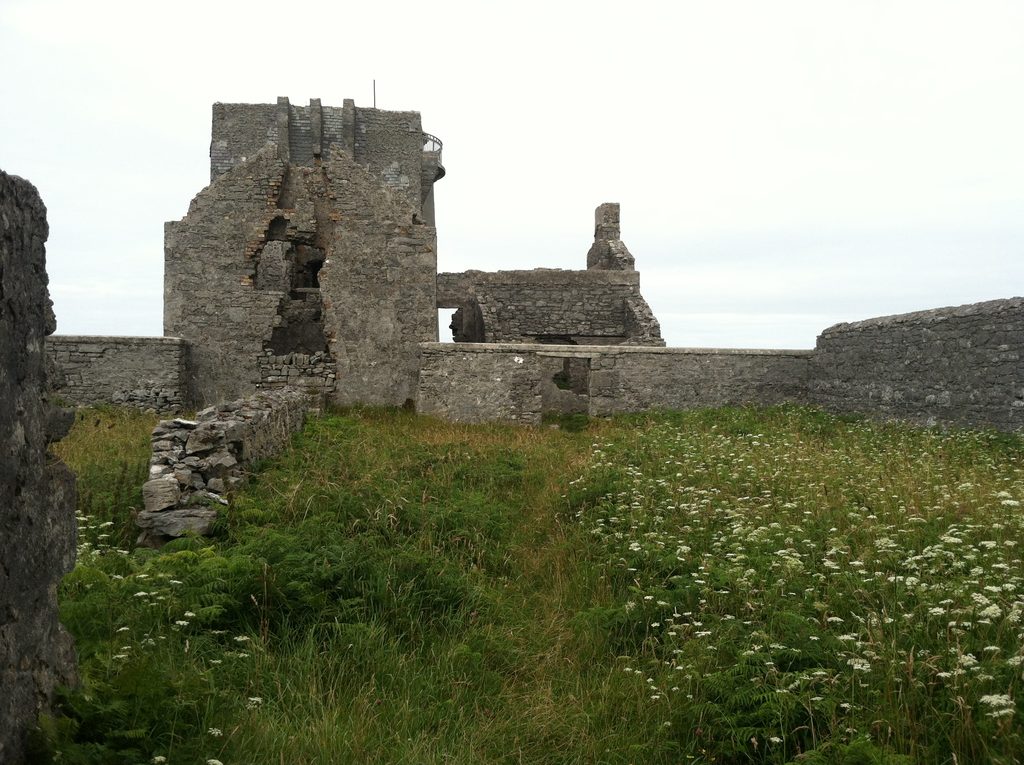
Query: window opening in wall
x=444, y=325
x=278, y=229
x=467, y=324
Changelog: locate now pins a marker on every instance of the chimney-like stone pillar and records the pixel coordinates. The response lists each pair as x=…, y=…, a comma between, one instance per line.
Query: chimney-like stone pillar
x=608, y=253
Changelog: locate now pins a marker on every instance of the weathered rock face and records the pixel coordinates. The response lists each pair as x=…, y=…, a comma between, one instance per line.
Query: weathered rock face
x=195, y=463
x=37, y=493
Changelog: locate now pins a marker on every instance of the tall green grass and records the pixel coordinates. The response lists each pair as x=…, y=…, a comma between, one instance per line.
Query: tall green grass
x=722, y=586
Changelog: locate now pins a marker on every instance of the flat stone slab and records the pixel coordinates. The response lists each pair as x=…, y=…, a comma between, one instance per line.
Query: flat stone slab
x=176, y=523
x=160, y=494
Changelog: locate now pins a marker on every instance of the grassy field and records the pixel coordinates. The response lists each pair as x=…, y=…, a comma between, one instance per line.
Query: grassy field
x=731, y=586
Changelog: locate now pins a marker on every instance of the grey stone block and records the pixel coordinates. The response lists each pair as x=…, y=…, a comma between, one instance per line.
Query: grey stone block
x=160, y=493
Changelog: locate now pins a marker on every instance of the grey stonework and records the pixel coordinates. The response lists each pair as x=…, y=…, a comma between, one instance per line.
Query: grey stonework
x=600, y=306
x=960, y=365
x=609, y=251
x=310, y=262
x=143, y=372
x=210, y=299
x=635, y=380
x=477, y=382
x=307, y=261
x=37, y=492
x=391, y=146
x=951, y=366
x=195, y=463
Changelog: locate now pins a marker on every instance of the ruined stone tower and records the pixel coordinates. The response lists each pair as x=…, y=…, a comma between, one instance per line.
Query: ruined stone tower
x=311, y=256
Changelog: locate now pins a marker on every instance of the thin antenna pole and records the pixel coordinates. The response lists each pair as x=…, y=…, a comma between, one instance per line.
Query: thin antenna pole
x=374, y=94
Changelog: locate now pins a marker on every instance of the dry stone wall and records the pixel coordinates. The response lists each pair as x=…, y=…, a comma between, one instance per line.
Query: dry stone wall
x=196, y=463
x=143, y=372
x=960, y=365
x=37, y=492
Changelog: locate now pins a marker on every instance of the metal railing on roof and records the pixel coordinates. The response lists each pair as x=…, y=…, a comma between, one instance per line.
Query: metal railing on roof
x=432, y=143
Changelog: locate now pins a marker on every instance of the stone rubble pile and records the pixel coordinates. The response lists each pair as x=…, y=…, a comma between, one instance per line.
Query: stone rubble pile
x=196, y=463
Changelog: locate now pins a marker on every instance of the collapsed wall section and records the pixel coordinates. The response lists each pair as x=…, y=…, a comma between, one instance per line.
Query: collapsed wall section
x=307, y=261
x=210, y=298
x=960, y=365
x=143, y=372
x=37, y=492
x=519, y=382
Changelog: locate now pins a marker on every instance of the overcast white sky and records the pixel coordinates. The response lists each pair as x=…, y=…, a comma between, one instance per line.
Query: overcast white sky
x=781, y=165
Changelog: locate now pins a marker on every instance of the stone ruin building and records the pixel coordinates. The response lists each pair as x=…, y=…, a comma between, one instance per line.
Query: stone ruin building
x=310, y=262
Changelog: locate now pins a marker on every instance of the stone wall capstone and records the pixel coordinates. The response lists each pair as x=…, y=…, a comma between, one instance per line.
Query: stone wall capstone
x=37, y=492
x=196, y=463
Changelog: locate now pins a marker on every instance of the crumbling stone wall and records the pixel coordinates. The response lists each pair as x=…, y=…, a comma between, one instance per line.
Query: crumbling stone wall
x=609, y=252
x=388, y=144
x=303, y=264
x=239, y=132
x=144, y=372
x=519, y=382
x=37, y=493
x=962, y=365
x=600, y=306
x=548, y=305
x=195, y=463
x=209, y=269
